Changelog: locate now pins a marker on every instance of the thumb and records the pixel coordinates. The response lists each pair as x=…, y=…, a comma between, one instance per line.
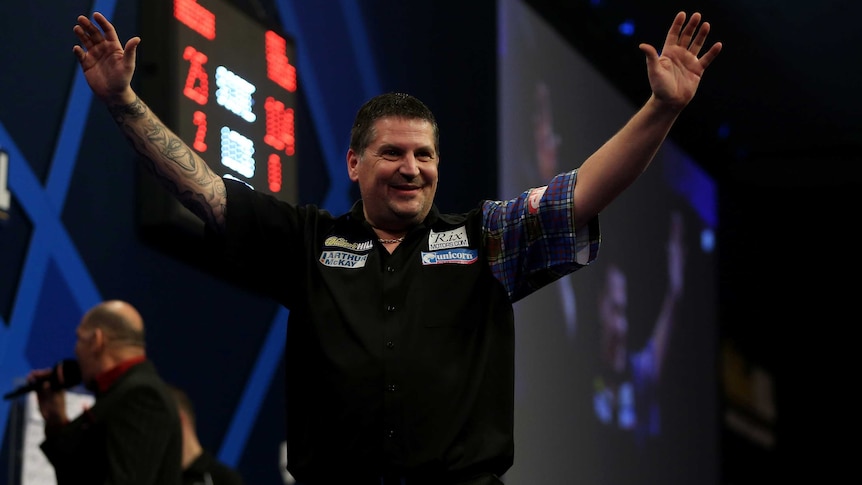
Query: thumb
x=131, y=51
x=649, y=51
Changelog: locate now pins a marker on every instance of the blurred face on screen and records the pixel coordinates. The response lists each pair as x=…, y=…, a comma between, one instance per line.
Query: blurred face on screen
x=396, y=173
x=613, y=318
x=547, y=141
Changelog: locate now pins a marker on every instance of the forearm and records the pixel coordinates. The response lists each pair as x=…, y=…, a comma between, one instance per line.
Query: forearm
x=619, y=162
x=177, y=167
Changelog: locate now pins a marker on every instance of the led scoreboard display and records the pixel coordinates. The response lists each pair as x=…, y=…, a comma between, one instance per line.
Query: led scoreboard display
x=226, y=84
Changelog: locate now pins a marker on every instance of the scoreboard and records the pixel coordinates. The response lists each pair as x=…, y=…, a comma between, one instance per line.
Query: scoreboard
x=226, y=84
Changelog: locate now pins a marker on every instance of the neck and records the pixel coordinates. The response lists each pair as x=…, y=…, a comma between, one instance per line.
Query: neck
x=394, y=240
x=191, y=450
x=389, y=237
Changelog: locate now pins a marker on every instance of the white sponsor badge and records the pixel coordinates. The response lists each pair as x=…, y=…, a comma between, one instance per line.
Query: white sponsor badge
x=456, y=238
x=343, y=259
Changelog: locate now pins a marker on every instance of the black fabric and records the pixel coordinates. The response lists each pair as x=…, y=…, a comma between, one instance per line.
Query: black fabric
x=130, y=436
x=207, y=470
x=394, y=364
x=484, y=479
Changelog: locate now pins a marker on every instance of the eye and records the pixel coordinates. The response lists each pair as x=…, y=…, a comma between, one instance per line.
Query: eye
x=390, y=154
x=425, y=156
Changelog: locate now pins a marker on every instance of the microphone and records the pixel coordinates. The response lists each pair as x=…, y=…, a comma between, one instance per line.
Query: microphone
x=71, y=378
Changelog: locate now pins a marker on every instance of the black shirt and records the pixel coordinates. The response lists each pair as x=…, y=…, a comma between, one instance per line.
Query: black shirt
x=395, y=364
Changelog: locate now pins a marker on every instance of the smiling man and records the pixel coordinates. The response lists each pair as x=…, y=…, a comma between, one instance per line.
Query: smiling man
x=400, y=347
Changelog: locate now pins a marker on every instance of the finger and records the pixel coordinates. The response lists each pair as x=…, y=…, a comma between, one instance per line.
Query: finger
x=107, y=27
x=131, y=49
x=700, y=39
x=706, y=59
x=79, y=53
x=80, y=31
x=91, y=32
x=650, y=53
x=35, y=374
x=675, y=28
x=688, y=31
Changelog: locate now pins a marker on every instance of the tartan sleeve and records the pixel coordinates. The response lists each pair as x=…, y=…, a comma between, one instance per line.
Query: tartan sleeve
x=531, y=240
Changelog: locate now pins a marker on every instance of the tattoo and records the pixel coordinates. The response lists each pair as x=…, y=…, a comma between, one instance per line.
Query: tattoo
x=177, y=168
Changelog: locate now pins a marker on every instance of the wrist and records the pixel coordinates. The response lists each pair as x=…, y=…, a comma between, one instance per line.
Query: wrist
x=55, y=425
x=121, y=99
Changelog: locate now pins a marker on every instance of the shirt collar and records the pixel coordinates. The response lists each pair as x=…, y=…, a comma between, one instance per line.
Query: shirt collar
x=357, y=212
x=106, y=379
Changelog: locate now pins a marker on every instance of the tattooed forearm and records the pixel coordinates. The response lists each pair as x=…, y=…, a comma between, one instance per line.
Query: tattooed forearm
x=177, y=167
x=137, y=109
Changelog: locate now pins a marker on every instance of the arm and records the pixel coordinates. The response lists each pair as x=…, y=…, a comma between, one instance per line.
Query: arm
x=674, y=77
x=108, y=68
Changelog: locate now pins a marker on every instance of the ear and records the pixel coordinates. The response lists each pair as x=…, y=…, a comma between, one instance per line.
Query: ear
x=99, y=341
x=352, y=165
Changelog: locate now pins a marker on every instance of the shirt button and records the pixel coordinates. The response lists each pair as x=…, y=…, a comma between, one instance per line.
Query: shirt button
x=390, y=308
x=390, y=433
x=390, y=345
x=390, y=269
x=391, y=388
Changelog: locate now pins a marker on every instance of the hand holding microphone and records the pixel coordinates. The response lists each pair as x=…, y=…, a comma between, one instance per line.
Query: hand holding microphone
x=65, y=374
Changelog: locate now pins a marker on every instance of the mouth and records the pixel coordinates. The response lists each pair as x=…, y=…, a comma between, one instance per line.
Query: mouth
x=406, y=189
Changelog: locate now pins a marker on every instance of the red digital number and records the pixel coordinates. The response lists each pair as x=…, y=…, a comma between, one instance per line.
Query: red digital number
x=197, y=81
x=279, y=126
x=196, y=17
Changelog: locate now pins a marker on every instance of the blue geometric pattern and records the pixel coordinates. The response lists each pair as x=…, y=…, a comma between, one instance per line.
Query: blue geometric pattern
x=51, y=250
x=56, y=286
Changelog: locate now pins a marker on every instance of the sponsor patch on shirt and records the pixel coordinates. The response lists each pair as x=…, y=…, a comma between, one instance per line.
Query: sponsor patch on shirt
x=535, y=198
x=343, y=259
x=456, y=238
x=340, y=242
x=450, y=256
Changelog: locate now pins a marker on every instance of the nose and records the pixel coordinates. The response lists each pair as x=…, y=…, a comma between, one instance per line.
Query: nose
x=409, y=166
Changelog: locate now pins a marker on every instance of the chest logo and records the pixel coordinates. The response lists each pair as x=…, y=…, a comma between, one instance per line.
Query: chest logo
x=343, y=259
x=450, y=256
x=456, y=238
x=340, y=242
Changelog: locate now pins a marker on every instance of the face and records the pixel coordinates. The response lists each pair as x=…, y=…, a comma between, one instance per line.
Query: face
x=614, y=321
x=85, y=353
x=546, y=140
x=397, y=173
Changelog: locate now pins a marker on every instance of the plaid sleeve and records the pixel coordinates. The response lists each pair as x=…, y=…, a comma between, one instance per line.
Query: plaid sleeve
x=531, y=240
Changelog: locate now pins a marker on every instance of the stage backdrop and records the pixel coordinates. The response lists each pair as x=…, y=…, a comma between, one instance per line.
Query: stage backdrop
x=71, y=233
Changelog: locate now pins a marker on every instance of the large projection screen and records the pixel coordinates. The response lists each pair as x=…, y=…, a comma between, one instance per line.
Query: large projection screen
x=616, y=363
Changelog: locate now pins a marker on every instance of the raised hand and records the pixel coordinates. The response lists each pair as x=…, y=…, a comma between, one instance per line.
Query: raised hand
x=675, y=74
x=107, y=65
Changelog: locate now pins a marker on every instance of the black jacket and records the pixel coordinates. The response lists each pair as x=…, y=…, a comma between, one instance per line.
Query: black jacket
x=131, y=436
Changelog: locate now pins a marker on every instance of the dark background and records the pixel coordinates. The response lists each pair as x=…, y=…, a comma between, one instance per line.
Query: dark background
x=776, y=121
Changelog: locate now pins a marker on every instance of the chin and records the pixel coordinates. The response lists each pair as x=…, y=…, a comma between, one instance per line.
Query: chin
x=409, y=214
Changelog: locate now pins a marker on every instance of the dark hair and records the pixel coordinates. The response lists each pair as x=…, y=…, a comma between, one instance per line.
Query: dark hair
x=384, y=105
